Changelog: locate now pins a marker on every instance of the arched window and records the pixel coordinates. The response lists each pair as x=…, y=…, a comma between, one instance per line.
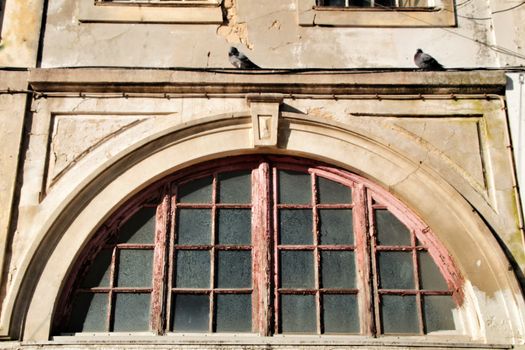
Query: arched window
x=264, y=245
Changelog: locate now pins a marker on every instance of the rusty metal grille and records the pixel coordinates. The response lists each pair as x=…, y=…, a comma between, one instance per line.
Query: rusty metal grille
x=262, y=245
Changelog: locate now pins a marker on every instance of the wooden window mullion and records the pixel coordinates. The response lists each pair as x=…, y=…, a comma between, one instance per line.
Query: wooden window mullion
x=417, y=286
x=213, y=251
x=317, y=257
x=372, y=251
x=112, y=276
x=276, y=261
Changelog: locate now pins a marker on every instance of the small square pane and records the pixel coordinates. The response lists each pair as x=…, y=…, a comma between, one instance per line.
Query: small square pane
x=430, y=276
x=337, y=269
x=295, y=226
x=340, y=313
x=331, y=192
x=190, y=313
x=140, y=228
x=234, y=269
x=233, y=313
x=196, y=191
x=294, y=187
x=396, y=270
x=192, y=269
x=194, y=226
x=437, y=311
x=98, y=273
x=131, y=312
x=399, y=314
x=297, y=269
x=390, y=231
x=234, y=226
x=89, y=313
x=298, y=314
x=235, y=187
x=134, y=268
x=336, y=226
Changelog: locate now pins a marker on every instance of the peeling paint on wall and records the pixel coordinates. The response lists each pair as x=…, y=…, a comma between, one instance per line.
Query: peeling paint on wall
x=233, y=30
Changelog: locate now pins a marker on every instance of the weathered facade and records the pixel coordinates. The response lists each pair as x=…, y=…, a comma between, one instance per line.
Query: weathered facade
x=102, y=101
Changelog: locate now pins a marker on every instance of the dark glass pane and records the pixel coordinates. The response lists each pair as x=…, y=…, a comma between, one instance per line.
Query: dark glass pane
x=399, y=314
x=338, y=269
x=294, y=187
x=235, y=187
x=297, y=269
x=196, y=191
x=234, y=313
x=334, y=2
x=131, y=312
x=190, y=313
x=134, y=268
x=98, y=273
x=336, y=226
x=387, y=3
x=298, y=314
x=234, y=269
x=234, y=226
x=437, y=311
x=390, y=231
x=194, y=226
x=340, y=313
x=192, y=269
x=89, y=313
x=140, y=228
x=295, y=226
x=333, y=192
x=431, y=278
x=396, y=270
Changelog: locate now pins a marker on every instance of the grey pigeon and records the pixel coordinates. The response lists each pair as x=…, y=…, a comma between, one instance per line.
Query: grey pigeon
x=239, y=60
x=426, y=62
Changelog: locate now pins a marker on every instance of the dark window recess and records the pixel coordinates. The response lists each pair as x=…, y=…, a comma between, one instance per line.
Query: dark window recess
x=202, y=258
x=379, y=4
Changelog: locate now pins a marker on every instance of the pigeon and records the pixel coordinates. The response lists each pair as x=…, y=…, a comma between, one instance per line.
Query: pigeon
x=426, y=62
x=239, y=60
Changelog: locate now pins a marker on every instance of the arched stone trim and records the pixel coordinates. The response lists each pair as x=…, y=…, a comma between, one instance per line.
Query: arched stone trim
x=493, y=304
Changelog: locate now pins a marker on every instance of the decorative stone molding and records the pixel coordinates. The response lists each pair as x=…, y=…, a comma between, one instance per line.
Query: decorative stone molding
x=264, y=109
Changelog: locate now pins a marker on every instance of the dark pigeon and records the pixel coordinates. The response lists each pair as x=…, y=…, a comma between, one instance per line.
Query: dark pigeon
x=239, y=60
x=426, y=62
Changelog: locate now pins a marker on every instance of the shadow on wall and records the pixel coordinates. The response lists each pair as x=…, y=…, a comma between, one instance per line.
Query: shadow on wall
x=2, y=11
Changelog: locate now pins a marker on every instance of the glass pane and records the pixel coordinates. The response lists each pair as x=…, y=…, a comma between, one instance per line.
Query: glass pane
x=131, y=312
x=294, y=187
x=295, y=226
x=140, y=228
x=192, y=269
x=190, y=313
x=297, y=269
x=234, y=269
x=336, y=226
x=340, y=313
x=399, y=314
x=431, y=278
x=334, y=2
x=396, y=270
x=194, y=226
x=234, y=226
x=234, y=313
x=338, y=269
x=89, y=313
x=196, y=191
x=390, y=231
x=298, y=314
x=235, y=187
x=134, y=268
x=98, y=273
x=333, y=192
x=437, y=310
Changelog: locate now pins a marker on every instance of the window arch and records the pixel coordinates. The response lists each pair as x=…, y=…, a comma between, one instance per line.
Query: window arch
x=266, y=245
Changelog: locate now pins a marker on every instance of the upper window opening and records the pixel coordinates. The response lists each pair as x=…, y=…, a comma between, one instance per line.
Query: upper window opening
x=261, y=247
x=378, y=4
x=157, y=2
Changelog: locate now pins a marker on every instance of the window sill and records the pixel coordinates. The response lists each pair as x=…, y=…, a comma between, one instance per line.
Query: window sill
x=194, y=13
x=311, y=15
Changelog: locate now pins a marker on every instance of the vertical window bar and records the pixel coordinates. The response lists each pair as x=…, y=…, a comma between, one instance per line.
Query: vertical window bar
x=112, y=274
x=171, y=255
x=416, y=281
x=159, y=258
x=363, y=249
x=276, y=251
x=213, y=251
x=373, y=244
x=317, y=260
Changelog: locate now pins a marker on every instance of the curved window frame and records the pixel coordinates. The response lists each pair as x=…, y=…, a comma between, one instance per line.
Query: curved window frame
x=367, y=198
